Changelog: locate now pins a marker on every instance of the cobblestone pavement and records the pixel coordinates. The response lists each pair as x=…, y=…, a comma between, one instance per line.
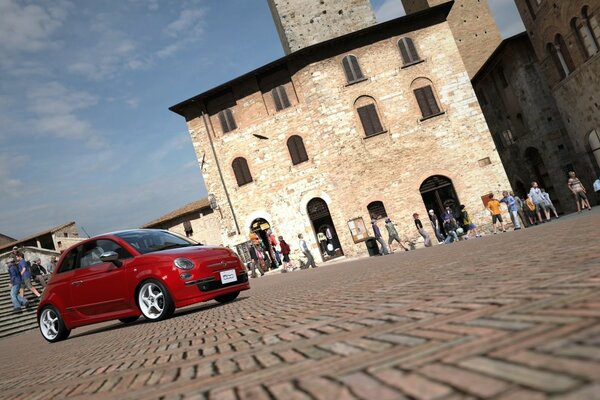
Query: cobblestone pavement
x=511, y=316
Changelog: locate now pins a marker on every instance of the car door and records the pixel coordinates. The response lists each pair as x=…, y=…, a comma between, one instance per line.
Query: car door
x=99, y=288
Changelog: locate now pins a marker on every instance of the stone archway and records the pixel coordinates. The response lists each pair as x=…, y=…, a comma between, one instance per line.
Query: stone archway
x=438, y=192
x=323, y=228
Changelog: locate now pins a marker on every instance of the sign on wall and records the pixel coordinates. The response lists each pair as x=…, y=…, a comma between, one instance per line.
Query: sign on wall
x=358, y=230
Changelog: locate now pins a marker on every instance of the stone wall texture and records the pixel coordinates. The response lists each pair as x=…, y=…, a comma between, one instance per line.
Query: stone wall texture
x=345, y=168
x=301, y=23
x=473, y=26
x=578, y=94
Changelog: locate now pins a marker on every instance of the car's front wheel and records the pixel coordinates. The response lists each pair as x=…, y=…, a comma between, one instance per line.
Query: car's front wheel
x=52, y=326
x=226, y=298
x=155, y=301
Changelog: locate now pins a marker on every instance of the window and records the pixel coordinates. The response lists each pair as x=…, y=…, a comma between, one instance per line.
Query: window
x=589, y=31
x=560, y=56
x=227, y=121
x=280, y=98
x=377, y=210
x=241, y=171
x=508, y=138
x=594, y=140
x=408, y=51
x=427, y=101
x=367, y=112
x=297, y=151
x=352, y=69
x=70, y=261
x=187, y=227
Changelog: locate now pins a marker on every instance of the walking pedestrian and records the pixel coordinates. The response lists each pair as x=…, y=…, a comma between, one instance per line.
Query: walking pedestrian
x=25, y=270
x=393, y=234
x=285, y=251
x=468, y=226
x=511, y=204
x=377, y=233
x=549, y=204
x=421, y=230
x=435, y=224
x=535, y=193
x=18, y=301
x=304, y=248
x=578, y=191
x=493, y=206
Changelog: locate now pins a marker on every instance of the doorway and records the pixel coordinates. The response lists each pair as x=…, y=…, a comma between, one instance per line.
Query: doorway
x=261, y=227
x=438, y=192
x=324, y=229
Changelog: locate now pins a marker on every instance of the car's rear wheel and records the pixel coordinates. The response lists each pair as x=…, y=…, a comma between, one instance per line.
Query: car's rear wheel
x=52, y=326
x=129, y=320
x=226, y=298
x=155, y=301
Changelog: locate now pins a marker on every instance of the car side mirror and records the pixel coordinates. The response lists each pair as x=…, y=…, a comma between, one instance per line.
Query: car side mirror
x=111, y=256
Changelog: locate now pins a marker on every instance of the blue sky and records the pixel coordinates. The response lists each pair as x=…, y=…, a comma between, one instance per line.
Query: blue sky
x=85, y=133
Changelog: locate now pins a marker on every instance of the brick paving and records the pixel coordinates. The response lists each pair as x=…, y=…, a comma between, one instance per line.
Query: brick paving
x=511, y=316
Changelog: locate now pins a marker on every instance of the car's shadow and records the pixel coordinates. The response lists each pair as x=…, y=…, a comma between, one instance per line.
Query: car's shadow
x=142, y=321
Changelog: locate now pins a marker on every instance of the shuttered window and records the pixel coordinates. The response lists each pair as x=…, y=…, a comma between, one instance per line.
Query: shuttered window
x=408, y=51
x=427, y=102
x=280, y=98
x=377, y=210
x=370, y=120
x=297, y=150
x=352, y=69
x=241, y=171
x=227, y=121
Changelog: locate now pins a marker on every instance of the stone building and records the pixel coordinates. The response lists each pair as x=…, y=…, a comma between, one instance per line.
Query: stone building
x=566, y=38
x=473, y=26
x=379, y=121
x=196, y=220
x=524, y=120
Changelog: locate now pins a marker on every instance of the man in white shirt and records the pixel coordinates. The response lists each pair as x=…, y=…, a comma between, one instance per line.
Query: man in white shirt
x=304, y=248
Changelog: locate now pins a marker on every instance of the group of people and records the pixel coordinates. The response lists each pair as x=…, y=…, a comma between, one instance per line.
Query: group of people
x=21, y=273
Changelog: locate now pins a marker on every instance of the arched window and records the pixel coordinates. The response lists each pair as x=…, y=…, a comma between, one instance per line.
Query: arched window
x=227, y=120
x=408, y=51
x=369, y=118
x=377, y=209
x=561, y=56
x=241, y=171
x=280, y=98
x=352, y=69
x=590, y=32
x=297, y=151
x=594, y=140
x=423, y=90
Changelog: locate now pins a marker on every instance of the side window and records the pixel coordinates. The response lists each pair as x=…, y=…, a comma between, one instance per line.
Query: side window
x=70, y=261
x=109, y=245
x=91, y=254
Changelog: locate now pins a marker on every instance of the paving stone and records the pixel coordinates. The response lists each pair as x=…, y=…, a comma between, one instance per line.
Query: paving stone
x=473, y=383
x=414, y=385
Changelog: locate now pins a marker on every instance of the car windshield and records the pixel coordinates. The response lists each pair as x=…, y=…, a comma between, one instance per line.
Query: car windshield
x=154, y=240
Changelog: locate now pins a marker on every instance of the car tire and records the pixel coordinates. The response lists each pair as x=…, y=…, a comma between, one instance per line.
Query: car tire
x=226, y=298
x=52, y=326
x=129, y=320
x=154, y=301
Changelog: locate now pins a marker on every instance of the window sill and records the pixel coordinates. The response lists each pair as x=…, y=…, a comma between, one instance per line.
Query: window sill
x=375, y=135
x=412, y=63
x=432, y=116
x=355, y=82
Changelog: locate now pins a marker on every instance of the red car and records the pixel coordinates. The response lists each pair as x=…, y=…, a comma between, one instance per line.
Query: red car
x=125, y=274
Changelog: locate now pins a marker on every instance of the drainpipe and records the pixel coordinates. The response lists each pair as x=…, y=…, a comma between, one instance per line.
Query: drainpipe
x=212, y=146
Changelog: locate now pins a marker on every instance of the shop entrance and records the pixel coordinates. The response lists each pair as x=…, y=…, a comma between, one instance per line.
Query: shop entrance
x=261, y=227
x=438, y=192
x=325, y=233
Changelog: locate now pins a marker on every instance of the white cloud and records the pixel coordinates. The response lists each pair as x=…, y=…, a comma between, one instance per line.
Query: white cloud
x=29, y=27
x=390, y=9
x=186, y=29
x=10, y=186
x=177, y=142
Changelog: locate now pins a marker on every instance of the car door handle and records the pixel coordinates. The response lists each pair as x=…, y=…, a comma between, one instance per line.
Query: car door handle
x=76, y=283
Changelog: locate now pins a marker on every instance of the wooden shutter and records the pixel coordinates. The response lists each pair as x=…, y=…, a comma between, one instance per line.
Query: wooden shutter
x=347, y=69
x=412, y=50
x=352, y=69
x=427, y=102
x=280, y=98
x=370, y=119
x=223, y=121
x=227, y=121
x=408, y=51
x=297, y=150
x=241, y=171
x=358, y=75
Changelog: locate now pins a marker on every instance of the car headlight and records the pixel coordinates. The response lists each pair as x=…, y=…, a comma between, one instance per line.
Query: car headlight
x=184, y=263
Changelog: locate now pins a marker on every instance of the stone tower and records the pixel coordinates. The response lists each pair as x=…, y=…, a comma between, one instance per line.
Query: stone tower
x=302, y=23
x=473, y=27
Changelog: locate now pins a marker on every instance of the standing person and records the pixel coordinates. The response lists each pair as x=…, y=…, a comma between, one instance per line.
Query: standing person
x=15, y=286
x=511, y=204
x=38, y=273
x=377, y=233
x=530, y=211
x=285, y=251
x=450, y=227
x=493, y=206
x=535, y=193
x=549, y=203
x=421, y=230
x=322, y=242
x=520, y=209
x=25, y=270
x=393, y=234
x=52, y=264
x=254, y=255
x=304, y=247
x=578, y=191
x=273, y=242
x=435, y=224
x=468, y=226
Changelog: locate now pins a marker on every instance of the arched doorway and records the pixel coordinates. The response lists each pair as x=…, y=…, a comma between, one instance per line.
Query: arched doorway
x=438, y=192
x=323, y=227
